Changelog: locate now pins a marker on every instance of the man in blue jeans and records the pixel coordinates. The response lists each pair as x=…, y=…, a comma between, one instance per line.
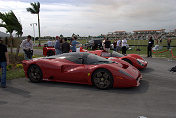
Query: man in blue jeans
x=4, y=60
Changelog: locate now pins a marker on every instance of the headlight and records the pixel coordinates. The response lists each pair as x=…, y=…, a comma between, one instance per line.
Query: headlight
x=139, y=62
x=121, y=71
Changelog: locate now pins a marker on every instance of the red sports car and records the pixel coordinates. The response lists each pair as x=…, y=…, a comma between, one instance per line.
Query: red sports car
x=82, y=68
x=48, y=51
x=134, y=59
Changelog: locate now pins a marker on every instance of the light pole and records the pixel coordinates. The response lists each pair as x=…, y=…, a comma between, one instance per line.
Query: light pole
x=32, y=24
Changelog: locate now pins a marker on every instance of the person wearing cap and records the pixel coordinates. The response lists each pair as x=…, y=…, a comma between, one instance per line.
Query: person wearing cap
x=58, y=45
x=27, y=46
x=4, y=61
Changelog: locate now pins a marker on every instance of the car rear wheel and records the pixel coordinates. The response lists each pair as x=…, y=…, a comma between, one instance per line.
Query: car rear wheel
x=102, y=79
x=35, y=73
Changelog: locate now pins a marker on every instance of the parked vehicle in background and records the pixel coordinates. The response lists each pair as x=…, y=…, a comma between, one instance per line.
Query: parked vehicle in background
x=94, y=44
x=48, y=50
x=133, y=59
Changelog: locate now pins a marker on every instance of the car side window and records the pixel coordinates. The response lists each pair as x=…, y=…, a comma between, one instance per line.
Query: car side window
x=74, y=59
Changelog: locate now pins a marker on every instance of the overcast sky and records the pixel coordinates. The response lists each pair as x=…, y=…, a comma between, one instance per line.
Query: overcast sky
x=93, y=17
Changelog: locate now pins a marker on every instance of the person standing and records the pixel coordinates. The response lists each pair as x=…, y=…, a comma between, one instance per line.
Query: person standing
x=124, y=45
x=161, y=41
x=149, y=47
x=103, y=43
x=74, y=43
x=4, y=61
x=118, y=46
x=65, y=46
x=115, y=44
x=50, y=43
x=107, y=45
x=58, y=45
x=27, y=46
x=168, y=43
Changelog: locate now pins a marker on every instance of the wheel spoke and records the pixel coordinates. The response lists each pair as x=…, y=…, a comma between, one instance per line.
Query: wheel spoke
x=96, y=80
x=99, y=74
x=105, y=75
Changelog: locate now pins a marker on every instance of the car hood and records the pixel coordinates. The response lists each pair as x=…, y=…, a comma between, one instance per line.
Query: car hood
x=126, y=67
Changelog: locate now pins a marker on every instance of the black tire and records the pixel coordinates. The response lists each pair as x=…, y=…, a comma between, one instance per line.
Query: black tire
x=129, y=61
x=35, y=74
x=102, y=79
x=50, y=53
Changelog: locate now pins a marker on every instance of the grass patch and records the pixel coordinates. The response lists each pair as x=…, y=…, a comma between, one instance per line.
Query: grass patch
x=36, y=47
x=15, y=73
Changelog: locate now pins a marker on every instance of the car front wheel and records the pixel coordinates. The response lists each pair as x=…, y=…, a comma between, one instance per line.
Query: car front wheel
x=102, y=79
x=35, y=73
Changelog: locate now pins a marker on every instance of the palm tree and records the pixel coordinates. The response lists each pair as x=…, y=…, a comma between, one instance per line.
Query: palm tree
x=35, y=10
x=7, y=22
x=11, y=23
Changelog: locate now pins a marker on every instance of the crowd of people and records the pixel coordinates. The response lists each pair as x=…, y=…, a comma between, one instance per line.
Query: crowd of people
x=61, y=45
x=118, y=45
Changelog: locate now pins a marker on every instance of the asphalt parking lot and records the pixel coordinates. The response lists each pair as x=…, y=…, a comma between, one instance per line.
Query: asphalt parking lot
x=154, y=98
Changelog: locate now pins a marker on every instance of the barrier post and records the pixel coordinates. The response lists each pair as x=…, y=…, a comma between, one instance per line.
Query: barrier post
x=170, y=55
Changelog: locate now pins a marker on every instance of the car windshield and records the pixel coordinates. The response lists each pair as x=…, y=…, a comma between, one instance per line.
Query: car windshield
x=73, y=57
x=113, y=54
x=105, y=54
x=94, y=59
x=116, y=54
x=82, y=58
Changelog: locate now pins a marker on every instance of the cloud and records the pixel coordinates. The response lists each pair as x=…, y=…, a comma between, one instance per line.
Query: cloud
x=94, y=17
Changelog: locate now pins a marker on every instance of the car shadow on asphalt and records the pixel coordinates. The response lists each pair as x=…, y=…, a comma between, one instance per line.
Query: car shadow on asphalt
x=147, y=70
x=142, y=88
x=144, y=85
x=17, y=91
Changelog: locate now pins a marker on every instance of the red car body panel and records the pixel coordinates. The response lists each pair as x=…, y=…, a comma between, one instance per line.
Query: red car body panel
x=62, y=70
x=132, y=57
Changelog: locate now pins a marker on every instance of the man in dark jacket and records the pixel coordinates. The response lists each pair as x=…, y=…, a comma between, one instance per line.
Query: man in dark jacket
x=107, y=45
x=65, y=46
x=149, y=47
x=4, y=61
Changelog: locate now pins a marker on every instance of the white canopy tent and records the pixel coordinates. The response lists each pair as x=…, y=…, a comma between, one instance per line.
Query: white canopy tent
x=3, y=35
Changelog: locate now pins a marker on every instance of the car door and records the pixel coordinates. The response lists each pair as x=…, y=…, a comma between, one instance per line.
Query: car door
x=74, y=72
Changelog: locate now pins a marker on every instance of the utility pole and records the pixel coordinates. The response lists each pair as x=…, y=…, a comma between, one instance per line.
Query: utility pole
x=33, y=24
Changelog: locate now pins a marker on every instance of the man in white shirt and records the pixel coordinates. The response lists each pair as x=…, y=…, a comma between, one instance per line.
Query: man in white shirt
x=118, y=46
x=50, y=43
x=124, y=45
x=27, y=46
